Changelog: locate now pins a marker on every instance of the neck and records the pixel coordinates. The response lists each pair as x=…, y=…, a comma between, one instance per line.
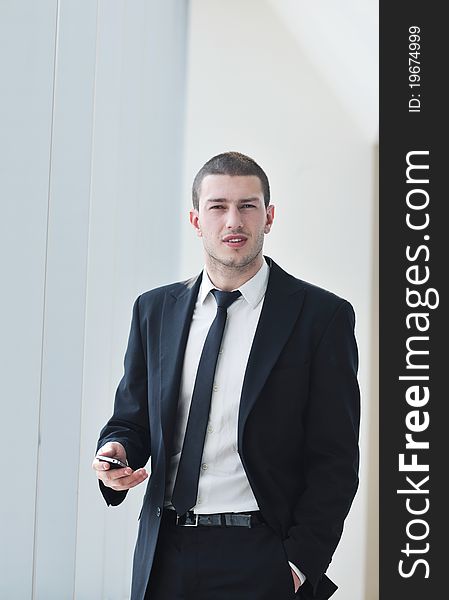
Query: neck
x=229, y=278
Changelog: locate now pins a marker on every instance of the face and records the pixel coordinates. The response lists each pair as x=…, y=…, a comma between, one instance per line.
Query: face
x=232, y=220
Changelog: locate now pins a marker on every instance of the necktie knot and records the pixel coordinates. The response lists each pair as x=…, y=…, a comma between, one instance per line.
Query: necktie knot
x=225, y=299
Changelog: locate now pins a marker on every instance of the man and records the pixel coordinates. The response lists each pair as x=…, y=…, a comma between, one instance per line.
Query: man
x=241, y=385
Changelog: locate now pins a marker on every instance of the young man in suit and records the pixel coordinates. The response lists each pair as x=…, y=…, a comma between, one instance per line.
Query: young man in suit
x=241, y=385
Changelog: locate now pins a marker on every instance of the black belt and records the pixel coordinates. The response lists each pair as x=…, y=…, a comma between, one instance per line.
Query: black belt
x=191, y=519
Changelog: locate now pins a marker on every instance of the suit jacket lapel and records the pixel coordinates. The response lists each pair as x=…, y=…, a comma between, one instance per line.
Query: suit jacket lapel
x=176, y=318
x=282, y=304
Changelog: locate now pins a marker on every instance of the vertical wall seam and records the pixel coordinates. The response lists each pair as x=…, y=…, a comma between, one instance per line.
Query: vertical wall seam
x=36, y=497
x=86, y=290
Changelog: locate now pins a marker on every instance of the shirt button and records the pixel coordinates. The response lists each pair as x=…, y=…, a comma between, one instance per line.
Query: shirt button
x=158, y=511
x=215, y=388
x=204, y=466
x=220, y=351
x=210, y=429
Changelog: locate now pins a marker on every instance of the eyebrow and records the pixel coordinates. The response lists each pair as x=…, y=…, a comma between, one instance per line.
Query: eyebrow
x=241, y=200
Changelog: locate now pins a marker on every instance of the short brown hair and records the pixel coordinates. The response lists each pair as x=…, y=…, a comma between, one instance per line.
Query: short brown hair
x=234, y=164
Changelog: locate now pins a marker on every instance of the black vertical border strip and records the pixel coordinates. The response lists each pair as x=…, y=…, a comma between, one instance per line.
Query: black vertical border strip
x=401, y=132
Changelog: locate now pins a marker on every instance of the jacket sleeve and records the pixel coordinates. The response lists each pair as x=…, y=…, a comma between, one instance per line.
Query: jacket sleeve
x=331, y=449
x=129, y=423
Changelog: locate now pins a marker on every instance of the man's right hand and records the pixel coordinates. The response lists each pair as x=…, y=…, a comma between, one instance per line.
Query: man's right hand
x=117, y=479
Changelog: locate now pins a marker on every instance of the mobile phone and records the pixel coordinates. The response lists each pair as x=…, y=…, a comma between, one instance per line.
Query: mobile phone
x=114, y=463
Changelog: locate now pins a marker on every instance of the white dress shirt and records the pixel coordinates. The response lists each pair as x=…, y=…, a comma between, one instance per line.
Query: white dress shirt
x=223, y=485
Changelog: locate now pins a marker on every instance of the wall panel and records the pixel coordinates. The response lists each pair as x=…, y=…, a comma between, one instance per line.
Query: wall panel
x=27, y=40
x=63, y=344
x=133, y=243
x=91, y=118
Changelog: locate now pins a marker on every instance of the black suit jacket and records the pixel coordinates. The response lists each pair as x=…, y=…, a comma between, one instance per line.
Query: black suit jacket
x=298, y=419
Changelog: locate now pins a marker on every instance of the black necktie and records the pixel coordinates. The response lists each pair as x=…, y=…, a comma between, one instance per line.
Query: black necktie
x=186, y=485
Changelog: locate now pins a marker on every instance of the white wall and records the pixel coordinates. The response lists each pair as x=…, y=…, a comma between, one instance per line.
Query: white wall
x=92, y=125
x=253, y=88
x=26, y=63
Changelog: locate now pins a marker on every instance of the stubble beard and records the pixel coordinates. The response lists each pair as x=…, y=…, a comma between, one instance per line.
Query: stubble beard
x=235, y=263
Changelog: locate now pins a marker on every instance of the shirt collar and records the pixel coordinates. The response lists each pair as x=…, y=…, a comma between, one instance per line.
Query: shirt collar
x=252, y=291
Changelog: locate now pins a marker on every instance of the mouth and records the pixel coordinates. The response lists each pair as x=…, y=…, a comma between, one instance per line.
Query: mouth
x=235, y=241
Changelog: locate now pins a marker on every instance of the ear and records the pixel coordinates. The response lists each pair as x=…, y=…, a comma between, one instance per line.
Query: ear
x=195, y=221
x=270, y=218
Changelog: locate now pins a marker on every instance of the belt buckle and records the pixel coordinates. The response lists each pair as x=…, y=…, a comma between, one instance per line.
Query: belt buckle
x=188, y=516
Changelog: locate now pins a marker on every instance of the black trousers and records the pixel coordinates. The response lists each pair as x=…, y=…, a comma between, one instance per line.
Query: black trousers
x=219, y=563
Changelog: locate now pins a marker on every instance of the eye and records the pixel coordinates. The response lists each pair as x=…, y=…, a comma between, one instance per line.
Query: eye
x=248, y=206
x=216, y=206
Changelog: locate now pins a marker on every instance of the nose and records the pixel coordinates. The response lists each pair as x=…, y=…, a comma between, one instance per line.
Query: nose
x=233, y=218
